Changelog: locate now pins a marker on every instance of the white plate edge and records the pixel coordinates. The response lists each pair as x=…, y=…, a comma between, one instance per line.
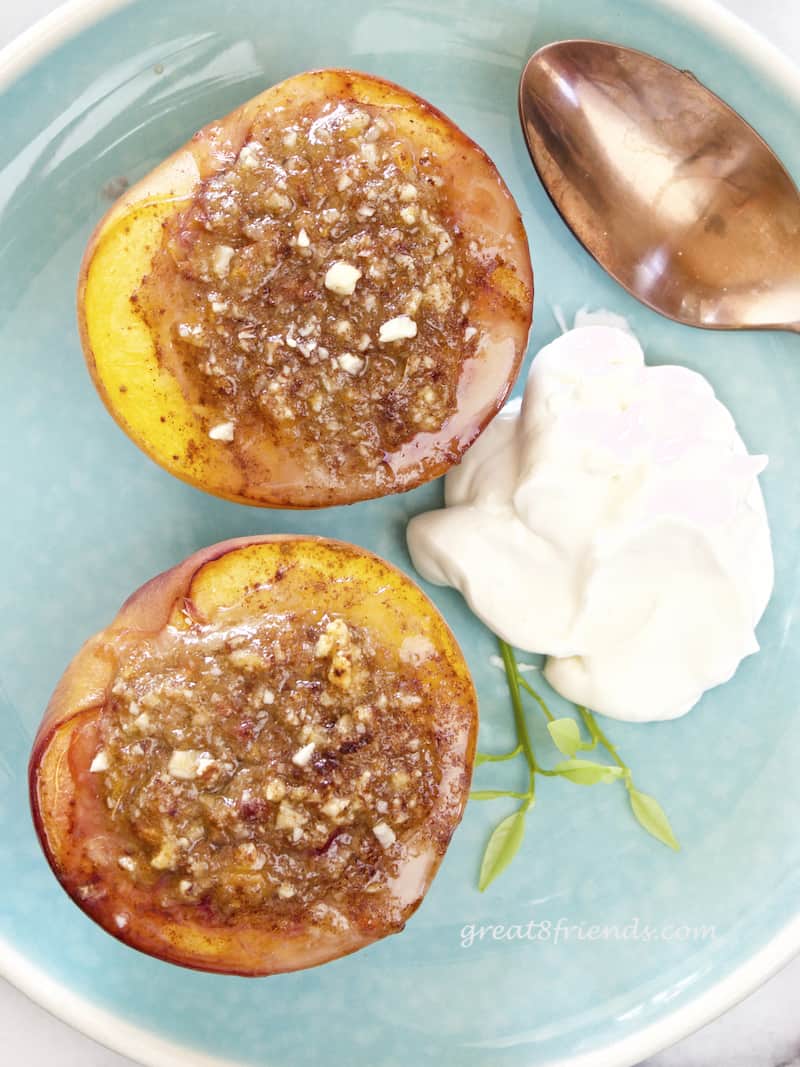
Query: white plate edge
x=16, y=58
x=104, y=1026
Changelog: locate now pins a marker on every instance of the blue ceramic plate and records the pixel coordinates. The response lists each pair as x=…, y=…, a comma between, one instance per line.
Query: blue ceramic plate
x=103, y=91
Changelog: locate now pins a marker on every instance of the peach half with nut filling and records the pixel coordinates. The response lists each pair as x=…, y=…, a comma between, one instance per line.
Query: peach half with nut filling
x=258, y=766
x=323, y=297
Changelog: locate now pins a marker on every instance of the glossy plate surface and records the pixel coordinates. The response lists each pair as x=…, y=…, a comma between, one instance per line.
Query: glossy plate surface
x=88, y=518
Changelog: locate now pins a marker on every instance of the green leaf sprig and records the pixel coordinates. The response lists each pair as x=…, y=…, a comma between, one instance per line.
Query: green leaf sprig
x=565, y=733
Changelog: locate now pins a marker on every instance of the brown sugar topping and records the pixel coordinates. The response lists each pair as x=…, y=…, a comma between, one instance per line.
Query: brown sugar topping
x=272, y=767
x=317, y=291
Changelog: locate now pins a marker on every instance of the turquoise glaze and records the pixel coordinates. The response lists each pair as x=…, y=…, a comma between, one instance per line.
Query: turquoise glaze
x=87, y=519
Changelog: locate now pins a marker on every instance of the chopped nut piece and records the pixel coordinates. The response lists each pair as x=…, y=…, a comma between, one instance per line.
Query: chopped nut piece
x=248, y=157
x=223, y=431
x=190, y=332
x=385, y=834
x=350, y=364
x=167, y=856
x=248, y=855
x=439, y=295
x=335, y=635
x=398, y=329
x=407, y=192
x=413, y=302
x=341, y=278
x=445, y=242
x=275, y=790
x=285, y=892
x=221, y=260
x=341, y=671
x=335, y=806
x=302, y=757
x=126, y=863
x=369, y=154
x=289, y=818
x=185, y=764
x=278, y=201
x=303, y=240
x=240, y=657
x=100, y=762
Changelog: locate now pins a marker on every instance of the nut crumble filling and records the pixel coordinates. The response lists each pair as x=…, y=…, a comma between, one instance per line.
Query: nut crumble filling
x=277, y=766
x=318, y=289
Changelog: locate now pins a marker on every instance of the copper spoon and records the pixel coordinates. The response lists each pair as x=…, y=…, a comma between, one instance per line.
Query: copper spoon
x=666, y=186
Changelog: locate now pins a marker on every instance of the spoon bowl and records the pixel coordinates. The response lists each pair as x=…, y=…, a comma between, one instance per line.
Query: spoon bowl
x=670, y=190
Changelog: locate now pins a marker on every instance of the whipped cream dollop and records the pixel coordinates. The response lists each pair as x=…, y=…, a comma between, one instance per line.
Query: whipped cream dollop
x=612, y=520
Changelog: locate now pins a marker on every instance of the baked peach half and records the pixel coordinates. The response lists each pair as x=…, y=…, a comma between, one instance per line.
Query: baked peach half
x=258, y=766
x=323, y=297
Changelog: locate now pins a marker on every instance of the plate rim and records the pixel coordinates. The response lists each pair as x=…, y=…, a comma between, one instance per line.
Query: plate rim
x=144, y=1046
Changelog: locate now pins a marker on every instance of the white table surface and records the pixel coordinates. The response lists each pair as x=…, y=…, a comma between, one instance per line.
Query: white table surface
x=763, y=1031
